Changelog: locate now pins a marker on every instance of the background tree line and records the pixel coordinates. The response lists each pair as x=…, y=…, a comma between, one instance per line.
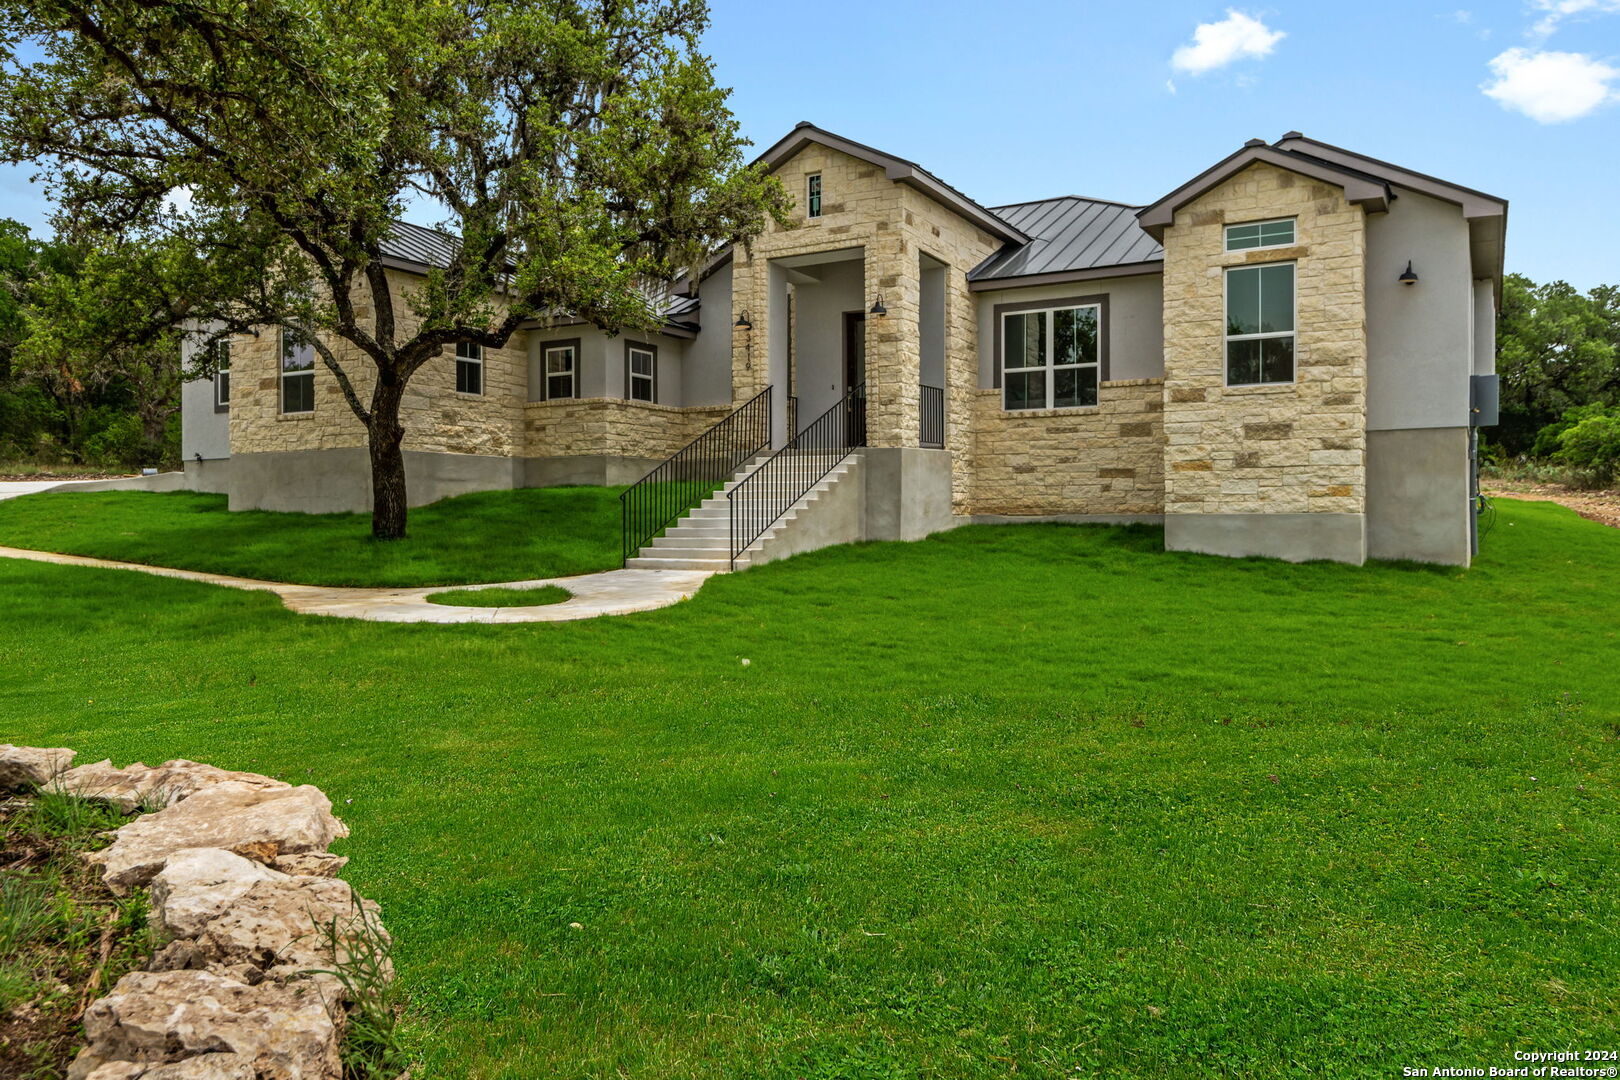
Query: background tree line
x=84, y=378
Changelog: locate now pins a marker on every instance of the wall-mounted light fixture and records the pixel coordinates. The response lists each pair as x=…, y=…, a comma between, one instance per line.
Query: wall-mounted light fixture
x=742, y=322
x=1408, y=277
x=877, y=308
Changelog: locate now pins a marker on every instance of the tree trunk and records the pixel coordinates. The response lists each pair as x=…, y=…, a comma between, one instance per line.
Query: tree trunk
x=384, y=435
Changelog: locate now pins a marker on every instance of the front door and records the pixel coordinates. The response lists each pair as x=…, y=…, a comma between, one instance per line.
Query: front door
x=855, y=375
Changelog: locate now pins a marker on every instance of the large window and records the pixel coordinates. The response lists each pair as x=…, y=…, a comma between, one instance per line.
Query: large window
x=1052, y=358
x=1260, y=324
x=559, y=370
x=641, y=371
x=469, y=368
x=297, y=374
x=1260, y=234
x=220, y=355
x=812, y=195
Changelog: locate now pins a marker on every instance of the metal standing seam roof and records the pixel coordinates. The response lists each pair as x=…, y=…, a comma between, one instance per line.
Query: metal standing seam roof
x=1066, y=234
x=413, y=243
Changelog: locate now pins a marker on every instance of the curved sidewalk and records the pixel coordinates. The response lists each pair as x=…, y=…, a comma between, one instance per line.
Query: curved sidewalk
x=612, y=592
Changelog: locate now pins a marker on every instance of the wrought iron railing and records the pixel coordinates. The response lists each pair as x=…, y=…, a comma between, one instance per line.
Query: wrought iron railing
x=933, y=416
x=765, y=494
x=694, y=472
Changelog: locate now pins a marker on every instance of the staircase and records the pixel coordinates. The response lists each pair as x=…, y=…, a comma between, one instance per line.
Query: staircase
x=702, y=539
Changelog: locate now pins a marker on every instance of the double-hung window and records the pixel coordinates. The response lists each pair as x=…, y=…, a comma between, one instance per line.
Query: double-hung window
x=1260, y=234
x=812, y=195
x=469, y=368
x=559, y=370
x=221, y=351
x=1051, y=358
x=1260, y=324
x=297, y=374
x=641, y=371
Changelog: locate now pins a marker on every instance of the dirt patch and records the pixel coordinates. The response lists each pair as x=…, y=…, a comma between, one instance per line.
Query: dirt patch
x=1600, y=506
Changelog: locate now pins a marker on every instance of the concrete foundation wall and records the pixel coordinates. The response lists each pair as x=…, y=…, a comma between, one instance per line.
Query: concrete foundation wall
x=1293, y=537
x=908, y=492
x=836, y=515
x=210, y=476
x=1417, y=495
x=586, y=469
x=339, y=480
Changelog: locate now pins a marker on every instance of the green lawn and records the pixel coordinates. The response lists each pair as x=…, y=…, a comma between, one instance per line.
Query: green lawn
x=471, y=539
x=1033, y=801
x=538, y=596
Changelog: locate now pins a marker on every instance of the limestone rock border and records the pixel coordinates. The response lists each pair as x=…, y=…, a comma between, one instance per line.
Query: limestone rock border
x=249, y=914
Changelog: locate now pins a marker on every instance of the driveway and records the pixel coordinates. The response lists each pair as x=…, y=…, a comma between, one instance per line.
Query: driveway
x=10, y=489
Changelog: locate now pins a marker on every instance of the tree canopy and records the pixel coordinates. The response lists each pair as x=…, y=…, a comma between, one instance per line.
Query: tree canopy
x=578, y=151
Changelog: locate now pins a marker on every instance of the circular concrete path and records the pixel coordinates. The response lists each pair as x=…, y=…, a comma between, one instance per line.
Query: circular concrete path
x=612, y=592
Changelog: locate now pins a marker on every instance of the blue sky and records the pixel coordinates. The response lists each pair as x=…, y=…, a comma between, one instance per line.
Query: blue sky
x=1024, y=99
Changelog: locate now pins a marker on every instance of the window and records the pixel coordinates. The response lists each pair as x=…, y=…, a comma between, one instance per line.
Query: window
x=640, y=371
x=469, y=368
x=559, y=370
x=297, y=374
x=1260, y=234
x=1051, y=358
x=812, y=195
x=221, y=357
x=1260, y=324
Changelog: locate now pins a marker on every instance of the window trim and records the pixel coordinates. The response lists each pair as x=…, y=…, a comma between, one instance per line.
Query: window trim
x=629, y=375
x=574, y=376
x=222, y=403
x=1226, y=339
x=813, y=193
x=1050, y=310
x=281, y=384
x=477, y=361
x=1097, y=300
x=1226, y=232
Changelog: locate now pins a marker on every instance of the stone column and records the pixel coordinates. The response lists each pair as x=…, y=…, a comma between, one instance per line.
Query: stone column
x=893, y=345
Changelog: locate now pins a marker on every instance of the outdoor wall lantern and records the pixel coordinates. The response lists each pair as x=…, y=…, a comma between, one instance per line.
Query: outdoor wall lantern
x=1408, y=278
x=742, y=322
x=877, y=308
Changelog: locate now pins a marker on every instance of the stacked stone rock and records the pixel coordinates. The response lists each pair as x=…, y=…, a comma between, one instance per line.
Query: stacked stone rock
x=246, y=904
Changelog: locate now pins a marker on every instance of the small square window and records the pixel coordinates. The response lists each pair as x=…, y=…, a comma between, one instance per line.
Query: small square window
x=1260, y=234
x=812, y=193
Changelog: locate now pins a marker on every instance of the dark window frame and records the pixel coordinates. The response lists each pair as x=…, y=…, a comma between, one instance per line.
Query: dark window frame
x=1292, y=333
x=630, y=376
x=1104, y=330
x=545, y=378
x=477, y=363
x=813, y=195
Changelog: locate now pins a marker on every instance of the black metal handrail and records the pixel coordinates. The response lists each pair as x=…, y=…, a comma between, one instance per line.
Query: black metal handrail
x=692, y=473
x=933, y=416
x=764, y=495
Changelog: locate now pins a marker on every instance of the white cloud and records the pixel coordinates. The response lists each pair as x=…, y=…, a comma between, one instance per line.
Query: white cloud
x=1559, y=10
x=1216, y=44
x=1170, y=85
x=178, y=201
x=1551, y=87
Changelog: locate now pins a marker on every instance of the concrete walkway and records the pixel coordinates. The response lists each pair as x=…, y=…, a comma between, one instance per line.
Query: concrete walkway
x=612, y=592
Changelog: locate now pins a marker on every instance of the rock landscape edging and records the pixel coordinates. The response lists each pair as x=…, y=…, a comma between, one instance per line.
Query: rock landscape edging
x=251, y=919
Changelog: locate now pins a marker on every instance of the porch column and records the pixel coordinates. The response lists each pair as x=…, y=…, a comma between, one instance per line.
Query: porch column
x=893, y=344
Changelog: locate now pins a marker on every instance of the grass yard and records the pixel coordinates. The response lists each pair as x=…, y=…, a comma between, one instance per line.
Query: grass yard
x=1034, y=801
x=538, y=596
x=471, y=539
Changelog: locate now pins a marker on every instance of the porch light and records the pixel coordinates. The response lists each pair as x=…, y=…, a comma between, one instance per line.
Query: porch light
x=742, y=322
x=878, y=308
x=1408, y=278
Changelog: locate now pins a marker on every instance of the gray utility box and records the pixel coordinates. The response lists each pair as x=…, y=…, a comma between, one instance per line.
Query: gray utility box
x=1482, y=400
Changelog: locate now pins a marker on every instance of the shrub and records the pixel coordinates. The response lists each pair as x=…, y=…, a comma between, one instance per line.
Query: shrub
x=1546, y=444
x=1592, y=447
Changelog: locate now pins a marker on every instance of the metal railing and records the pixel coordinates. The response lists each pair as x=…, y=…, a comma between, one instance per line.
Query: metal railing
x=694, y=472
x=933, y=416
x=764, y=495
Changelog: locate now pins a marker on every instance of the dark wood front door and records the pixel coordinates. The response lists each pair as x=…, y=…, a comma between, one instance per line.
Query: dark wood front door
x=855, y=376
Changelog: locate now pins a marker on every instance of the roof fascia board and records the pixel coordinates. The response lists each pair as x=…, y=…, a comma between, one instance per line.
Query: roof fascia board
x=1157, y=216
x=896, y=169
x=1475, y=204
x=1061, y=277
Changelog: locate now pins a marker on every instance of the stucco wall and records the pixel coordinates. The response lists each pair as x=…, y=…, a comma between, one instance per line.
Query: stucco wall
x=706, y=375
x=1419, y=337
x=1135, y=323
x=818, y=360
x=1108, y=459
x=1278, y=449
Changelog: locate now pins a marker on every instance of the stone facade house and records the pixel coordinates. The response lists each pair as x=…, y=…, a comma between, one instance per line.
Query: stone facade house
x=1287, y=355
